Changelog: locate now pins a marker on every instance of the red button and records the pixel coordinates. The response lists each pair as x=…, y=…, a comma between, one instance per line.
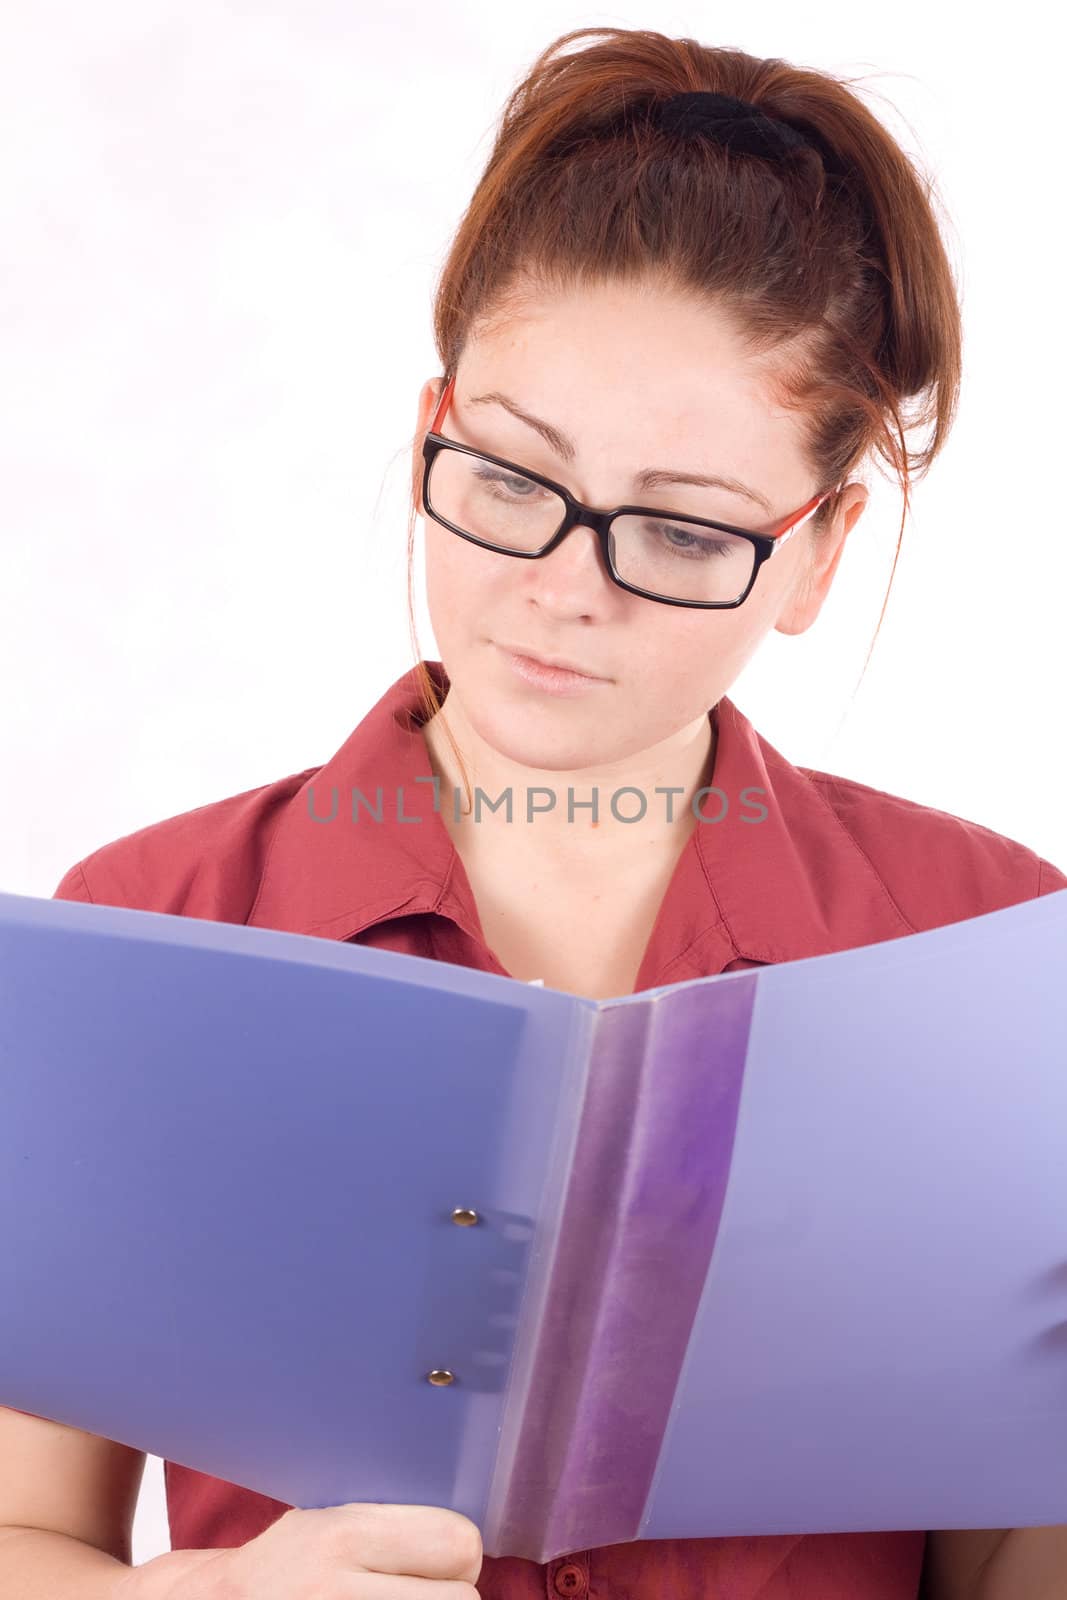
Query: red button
x=571, y=1581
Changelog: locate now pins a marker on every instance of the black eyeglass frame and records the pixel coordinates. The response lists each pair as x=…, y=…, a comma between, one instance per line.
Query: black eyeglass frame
x=577, y=514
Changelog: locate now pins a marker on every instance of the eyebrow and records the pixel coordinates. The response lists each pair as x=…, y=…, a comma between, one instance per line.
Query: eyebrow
x=650, y=478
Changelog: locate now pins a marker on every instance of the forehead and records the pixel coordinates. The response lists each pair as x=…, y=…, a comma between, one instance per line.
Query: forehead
x=619, y=368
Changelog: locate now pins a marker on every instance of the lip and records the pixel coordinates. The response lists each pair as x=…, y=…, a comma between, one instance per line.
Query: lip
x=560, y=681
x=555, y=666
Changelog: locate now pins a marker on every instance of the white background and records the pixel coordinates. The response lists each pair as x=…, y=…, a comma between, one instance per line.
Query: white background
x=221, y=226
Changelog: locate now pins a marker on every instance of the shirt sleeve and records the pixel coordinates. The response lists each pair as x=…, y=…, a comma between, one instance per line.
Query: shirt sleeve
x=72, y=885
x=1049, y=878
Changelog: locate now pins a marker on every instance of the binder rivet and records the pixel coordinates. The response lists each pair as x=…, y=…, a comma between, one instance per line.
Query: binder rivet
x=464, y=1218
x=440, y=1377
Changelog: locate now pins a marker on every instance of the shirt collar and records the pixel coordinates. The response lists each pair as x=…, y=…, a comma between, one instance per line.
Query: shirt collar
x=790, y=885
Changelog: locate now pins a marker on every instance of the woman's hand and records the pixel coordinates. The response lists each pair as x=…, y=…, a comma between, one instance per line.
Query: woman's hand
x=351, y=1552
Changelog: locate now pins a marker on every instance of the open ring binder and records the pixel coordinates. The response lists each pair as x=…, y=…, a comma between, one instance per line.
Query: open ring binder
x=781, y=1250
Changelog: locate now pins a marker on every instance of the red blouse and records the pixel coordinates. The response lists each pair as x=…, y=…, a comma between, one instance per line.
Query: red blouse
x=799, y=863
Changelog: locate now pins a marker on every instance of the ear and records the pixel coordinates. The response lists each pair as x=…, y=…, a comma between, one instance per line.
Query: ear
x=429, y=395
x=826, y=549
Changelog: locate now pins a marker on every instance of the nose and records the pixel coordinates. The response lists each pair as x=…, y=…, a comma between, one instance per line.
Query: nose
x=574, y=572
x=579, y=552
x=576, y=565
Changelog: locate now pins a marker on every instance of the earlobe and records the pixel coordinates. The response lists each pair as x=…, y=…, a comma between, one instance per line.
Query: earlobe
x=799, y=615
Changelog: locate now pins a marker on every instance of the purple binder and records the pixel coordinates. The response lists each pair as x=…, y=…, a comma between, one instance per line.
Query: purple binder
x=778, y=1251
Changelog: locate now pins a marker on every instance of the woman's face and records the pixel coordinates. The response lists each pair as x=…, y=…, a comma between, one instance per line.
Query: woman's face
x=635, y=379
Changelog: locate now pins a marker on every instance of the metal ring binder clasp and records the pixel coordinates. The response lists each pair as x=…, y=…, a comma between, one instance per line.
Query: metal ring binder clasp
x=463, y=1217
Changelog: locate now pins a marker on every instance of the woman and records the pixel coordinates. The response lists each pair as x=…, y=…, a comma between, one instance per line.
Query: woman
x=702, y=288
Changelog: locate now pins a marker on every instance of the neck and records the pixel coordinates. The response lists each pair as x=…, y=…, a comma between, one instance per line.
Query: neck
x=574, y=817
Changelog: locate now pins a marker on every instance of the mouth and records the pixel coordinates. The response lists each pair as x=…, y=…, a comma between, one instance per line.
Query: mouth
x=549, y=665
x=536, y=674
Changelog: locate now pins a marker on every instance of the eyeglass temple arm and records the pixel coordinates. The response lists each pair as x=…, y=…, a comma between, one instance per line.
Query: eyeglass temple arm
x=442, y=405
x=782, y=536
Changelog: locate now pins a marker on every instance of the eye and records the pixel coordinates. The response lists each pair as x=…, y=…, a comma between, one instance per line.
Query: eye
x=685, y=542
x=508, y=485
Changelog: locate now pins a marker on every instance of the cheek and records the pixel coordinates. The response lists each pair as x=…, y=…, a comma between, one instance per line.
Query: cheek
x=704, y=638
x=688, y=665
x=450, y=576
x=456, y=568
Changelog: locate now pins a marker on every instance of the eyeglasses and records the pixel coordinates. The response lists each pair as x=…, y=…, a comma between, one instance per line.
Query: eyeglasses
x=660, y=555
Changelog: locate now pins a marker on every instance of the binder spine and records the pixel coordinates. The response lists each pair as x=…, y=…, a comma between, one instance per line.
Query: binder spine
x=523, y=1379
x=644, y=1194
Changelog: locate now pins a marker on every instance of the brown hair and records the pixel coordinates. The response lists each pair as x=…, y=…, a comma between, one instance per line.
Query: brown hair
x=847, y=274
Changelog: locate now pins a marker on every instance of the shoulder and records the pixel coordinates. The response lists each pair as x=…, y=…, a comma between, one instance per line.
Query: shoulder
x=936, y=866
x=206, y=862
